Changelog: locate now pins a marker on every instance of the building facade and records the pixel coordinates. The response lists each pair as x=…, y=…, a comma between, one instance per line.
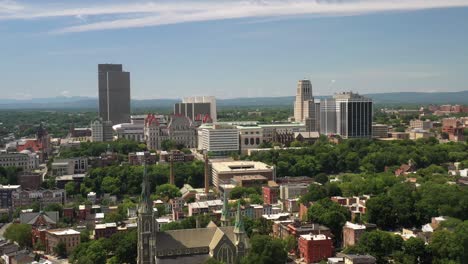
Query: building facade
x=25, y=160
x=200, y=109
x=179, y=129
x=218, y=139
x=114, y=93
x=44, y=197
x=223, y=172
x=354, y=115
x=315, y=248
x=101, y=131
x=69, y=237
x=6, y=195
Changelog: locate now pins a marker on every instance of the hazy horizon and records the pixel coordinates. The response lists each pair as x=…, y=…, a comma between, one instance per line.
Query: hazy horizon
x=233, y=49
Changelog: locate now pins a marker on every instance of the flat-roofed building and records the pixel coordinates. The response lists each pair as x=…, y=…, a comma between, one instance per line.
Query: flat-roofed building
x=200, y=109
x=104, y=230
x=69, y=237
x=250, y=137
x=25, y=160
x=218, y=139
x=62, y=167
x=315, y=248
x=30, y=180
x=6, y=195
x=250, y=180
x=421, y=124
x=379, y=131
x=45, y=197
x=223, y=172
x=352, y=233
x=197, y=208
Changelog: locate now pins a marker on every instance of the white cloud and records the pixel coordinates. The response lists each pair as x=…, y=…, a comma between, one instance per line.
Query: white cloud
x=9, y=7
x=65, y=93
x=152, y=13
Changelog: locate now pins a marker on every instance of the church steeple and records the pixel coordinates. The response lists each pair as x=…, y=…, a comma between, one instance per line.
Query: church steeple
x=225, y=211
x=147, y=226
x=239, y=225
x=242, y=242
x=145, y=201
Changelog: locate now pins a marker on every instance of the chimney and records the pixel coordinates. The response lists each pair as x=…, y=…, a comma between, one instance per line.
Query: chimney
x=207, y=175
x=171, y=176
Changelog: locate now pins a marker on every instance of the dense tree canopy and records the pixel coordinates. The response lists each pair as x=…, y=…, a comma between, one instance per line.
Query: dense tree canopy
x=127, y=179
x=266, y=250
x=358, y=155
x=20, y=233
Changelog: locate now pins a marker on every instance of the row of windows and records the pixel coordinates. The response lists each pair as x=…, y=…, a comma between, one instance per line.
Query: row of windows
x=253, y=141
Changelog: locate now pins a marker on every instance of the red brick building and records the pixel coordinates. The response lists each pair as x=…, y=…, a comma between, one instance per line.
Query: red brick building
x=104, y=230
x=270, y=194
x=315, y=248
x=352, y=233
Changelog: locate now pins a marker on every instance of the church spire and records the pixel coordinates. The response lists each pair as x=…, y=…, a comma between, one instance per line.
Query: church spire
x=239, y=225
x=225, y=211
x=145, y=203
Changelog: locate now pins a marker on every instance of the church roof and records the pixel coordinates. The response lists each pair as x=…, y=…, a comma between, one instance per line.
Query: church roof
x=31, y=218
x=193, y=238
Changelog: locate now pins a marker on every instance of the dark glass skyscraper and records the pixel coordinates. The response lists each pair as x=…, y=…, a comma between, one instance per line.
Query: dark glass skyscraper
x=114, y=93
x=354, y=115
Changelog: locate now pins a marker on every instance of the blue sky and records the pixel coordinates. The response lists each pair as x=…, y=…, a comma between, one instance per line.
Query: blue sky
x=233, y=48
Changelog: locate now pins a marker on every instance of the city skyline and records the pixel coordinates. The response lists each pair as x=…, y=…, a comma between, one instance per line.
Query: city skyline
x=255, y=49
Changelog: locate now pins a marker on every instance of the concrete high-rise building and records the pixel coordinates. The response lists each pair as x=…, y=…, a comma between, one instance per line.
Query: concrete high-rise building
x=101, y=131
x=114, y=93
x=303, y=97
x=306, y=110
x=328, y=116
x=353, y=115
x=198, y=108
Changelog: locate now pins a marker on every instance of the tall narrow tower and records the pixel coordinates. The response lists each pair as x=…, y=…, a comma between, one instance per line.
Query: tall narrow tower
x=146, y=226
x=305, y=109
x=171, y=169
x=242, y=244
x=303, y=96
x=225, y=211
x=207, y=175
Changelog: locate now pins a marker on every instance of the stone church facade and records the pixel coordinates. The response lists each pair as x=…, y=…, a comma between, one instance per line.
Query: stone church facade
x=187, y=246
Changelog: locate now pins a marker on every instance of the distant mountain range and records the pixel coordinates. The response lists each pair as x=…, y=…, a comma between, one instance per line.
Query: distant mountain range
x=78, y=102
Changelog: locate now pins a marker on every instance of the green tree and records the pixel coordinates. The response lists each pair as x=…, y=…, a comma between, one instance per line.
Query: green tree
x=330, y=214
x=379, y=244
x=70, y=188
x=290, y=243
x=446, y=245
x=167, y=191
x=111, y=185
x=84, y=236
x=168, y=144
x=61, y=250
x=415, y=248
x=20, y=233
x=54, y=207
x=315, y=193
x=266, y=250
x=212, y=261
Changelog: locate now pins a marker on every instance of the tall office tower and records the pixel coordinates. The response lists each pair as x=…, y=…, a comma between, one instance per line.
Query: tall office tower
x=353, y=115
x=201, y=109
x=114, y=93
x=328, y=116
x=303, y=97
x=305, y=108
